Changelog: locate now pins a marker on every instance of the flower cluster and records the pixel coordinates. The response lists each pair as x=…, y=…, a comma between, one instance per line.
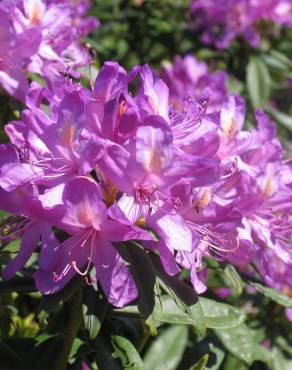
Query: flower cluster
x=190, y=78
x=106, y=166
x=42, y=37
x=223, y=20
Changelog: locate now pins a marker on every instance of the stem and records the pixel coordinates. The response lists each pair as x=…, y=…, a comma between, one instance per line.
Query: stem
x=71, y=330
x=145, y=337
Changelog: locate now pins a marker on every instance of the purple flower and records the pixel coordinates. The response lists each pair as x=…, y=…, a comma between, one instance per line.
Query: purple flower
x=86, y=218
x=16, y=51
x=50, y=149
x=224, y=20
x=26, y=220
x=42, y=37
x=108, y=166
x=189, y=78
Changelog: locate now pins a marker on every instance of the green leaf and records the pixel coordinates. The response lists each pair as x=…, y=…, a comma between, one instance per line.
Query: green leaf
x=260, y=353
x=148, y=300
x=174, y=314
x=234, y=278
x=215, y=314
x=3, y=214
x=201, y=365
x=166, y=351
x=282, y=58
x=182, y=295
x=75, y=347
x=273, y=294
x=94, y=309
x=279, y=361
x=91, y=323
x=282, y=118
x=127, y=353
x=12, y=247
x=43, y=356
x=104, y=358
x=8, y=355
x=278, y=61
x=258, y=82
x=52, y=302
x=219, y=355
x=231, y=363
x=220, y=315
x=240, y=343
x=18, y=284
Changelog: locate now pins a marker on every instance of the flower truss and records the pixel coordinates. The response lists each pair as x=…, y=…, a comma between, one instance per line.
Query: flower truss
x=42, y=37
x=184, y=181
x=189, y=78
x=223, y=20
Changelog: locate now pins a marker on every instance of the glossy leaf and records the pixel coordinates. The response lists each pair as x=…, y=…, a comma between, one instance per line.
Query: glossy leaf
x=167, y=349
x=220, y=315
x=127, y=353
x=273, y=294
x=280, y=361
x=284, y=119
x=148, y=301
x=94, y=309
x=239, y=341
x=182, y=295
x=258, y=82
x=104, y=358
x=234, y=278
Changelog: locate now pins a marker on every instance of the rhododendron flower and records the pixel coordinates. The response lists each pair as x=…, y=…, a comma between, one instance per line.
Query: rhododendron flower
x=16, y=51
x=222, y=21
x=86, y=218
x=46, y=37
x=51, y=149
x=108, y=166
x=189, y=78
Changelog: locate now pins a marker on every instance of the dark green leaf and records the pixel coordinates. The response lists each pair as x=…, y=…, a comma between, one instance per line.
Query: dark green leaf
x=258, y=82
x=233, y=363
x=143, y=273
x=51, y=302
x=281, y=117
x=166, y=351
x=234, y=279
x=127, y=353
x=182, y=295
x=201, y=365
x=91, y=323
x=216, y=352
x=18, y=284
x=104, y=358
x=43, y=356
x=240, y=343
x=8, y=355
x=174, y=314
x=75, y=347
x=94, y=309
x=275, y=295
x=220, y=315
